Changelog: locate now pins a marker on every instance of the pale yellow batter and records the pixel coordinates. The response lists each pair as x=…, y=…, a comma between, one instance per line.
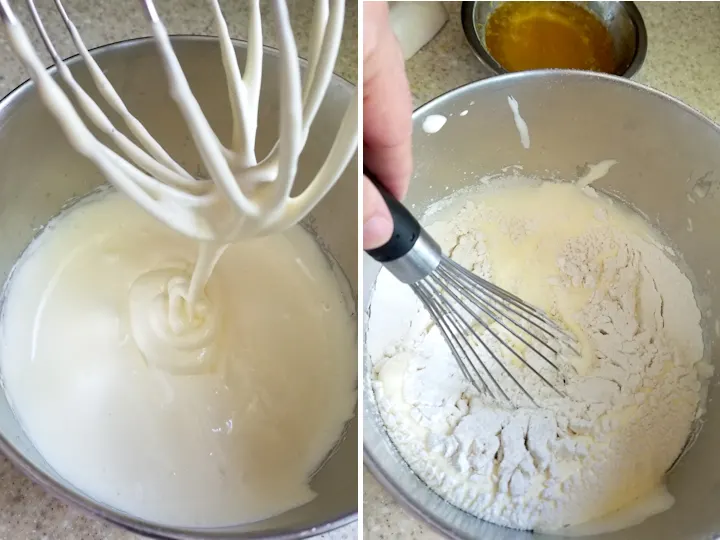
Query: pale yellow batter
x=212, y=415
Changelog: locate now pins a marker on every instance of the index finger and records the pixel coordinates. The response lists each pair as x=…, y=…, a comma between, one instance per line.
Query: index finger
x=387, y=103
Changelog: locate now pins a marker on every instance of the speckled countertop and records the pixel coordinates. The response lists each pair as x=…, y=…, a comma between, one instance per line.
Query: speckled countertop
x=26, y=512
x=683, y=60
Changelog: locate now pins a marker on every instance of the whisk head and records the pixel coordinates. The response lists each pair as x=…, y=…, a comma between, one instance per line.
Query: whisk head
x=494, y=336
x=245, y=194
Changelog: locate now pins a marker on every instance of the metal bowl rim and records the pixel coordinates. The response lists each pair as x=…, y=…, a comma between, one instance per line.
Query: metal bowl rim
x=467, y=21
x=75, y=497
x=385, y=480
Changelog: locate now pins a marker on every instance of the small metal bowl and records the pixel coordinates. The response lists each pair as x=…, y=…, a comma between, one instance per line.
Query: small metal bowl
x=622, y=19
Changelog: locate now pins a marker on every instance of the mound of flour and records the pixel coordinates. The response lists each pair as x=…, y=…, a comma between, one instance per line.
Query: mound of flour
x=630, y=401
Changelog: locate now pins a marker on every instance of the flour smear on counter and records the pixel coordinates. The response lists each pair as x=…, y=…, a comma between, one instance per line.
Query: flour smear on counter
x=631, y=397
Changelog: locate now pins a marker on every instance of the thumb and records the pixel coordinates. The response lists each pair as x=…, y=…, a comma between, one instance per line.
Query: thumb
x=377, y=223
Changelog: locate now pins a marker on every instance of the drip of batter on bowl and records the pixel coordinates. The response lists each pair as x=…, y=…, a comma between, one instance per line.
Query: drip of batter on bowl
x=631, y=399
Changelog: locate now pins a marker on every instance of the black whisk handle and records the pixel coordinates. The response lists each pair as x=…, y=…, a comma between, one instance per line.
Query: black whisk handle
x=406, y=229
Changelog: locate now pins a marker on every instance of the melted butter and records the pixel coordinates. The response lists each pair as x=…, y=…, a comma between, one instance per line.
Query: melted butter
x=536, y=35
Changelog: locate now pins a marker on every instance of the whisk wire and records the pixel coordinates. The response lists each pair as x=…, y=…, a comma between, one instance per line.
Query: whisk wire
x=107, y=91
x=452, y=339
x=507, y=300
x=456, y=302
x=495, y=315
x=241, y=106
x=438, y=313
x=535, y=315
x=464, y=328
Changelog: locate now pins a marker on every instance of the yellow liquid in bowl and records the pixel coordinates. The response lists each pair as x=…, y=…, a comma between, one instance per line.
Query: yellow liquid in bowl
x=535, y=35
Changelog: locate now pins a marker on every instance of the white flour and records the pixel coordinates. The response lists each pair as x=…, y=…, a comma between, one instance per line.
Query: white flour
x=631, y=399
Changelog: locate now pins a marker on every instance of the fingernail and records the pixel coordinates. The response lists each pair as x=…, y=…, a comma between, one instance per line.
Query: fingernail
x=376, y=232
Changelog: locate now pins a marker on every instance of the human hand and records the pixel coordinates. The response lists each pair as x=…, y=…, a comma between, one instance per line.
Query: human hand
x=387, y=122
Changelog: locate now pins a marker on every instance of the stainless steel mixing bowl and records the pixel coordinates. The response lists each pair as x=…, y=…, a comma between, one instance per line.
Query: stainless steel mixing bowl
x=668, y=167
x=39, y=173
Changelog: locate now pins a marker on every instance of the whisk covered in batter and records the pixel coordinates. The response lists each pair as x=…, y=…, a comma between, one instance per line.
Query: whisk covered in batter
x=245, y=195
x=491, y=333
